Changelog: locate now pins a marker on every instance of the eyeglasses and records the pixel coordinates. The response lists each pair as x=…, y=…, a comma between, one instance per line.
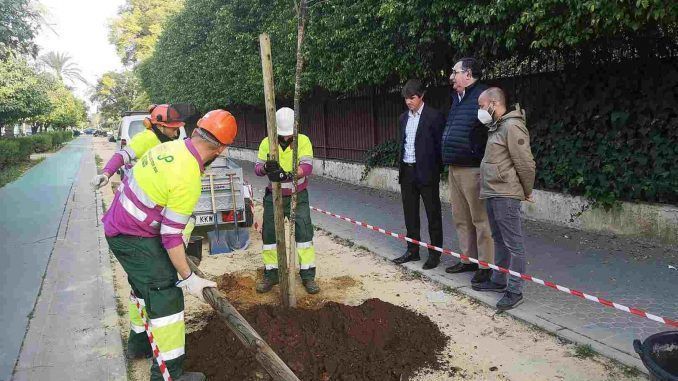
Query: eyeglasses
x=454, y=74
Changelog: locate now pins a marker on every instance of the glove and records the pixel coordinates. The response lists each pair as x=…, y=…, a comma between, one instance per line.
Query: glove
x=99, y=181
x=287, y=176
x=194, y=285
x=280, y=175
x=271, y=166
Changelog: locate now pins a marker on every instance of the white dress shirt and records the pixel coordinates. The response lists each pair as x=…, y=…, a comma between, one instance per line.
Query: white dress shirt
x=410, y=134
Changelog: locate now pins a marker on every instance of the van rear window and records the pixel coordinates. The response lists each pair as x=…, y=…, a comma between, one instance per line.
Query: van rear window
x=135, y=127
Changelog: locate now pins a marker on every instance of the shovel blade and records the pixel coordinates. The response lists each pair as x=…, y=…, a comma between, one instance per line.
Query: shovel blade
x=237, y=239
x=218, y=243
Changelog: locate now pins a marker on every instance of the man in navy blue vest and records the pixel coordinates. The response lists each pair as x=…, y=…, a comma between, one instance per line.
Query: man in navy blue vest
x=463, y=148
x=419, y=162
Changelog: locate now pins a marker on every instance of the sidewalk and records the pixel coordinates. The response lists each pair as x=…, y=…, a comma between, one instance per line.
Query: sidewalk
x=627, y=271
x=73, y=333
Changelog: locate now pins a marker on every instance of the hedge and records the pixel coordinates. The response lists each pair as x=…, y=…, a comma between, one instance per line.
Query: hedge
x=17, y=150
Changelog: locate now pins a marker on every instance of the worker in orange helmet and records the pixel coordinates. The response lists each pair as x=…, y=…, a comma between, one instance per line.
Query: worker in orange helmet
x=143, y=228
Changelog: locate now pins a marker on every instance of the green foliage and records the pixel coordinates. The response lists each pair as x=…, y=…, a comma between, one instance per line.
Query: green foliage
x=66, y=109
x=136, y=29
x=119, y=92
x=22, y=92
x=208, y=53
x=19, y=23
x=383, y=155
x=604, y=144
x=42, y=143
x=18, y=150
x=584, y=351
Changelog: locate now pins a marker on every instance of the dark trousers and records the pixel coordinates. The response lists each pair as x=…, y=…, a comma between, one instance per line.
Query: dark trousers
x=509, y=243
x=430, y=194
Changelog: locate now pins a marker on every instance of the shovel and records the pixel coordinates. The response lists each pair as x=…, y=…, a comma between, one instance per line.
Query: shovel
x=236, y=240
x=217, y=246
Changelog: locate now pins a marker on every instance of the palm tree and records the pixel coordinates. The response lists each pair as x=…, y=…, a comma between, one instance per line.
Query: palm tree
x=63, y=67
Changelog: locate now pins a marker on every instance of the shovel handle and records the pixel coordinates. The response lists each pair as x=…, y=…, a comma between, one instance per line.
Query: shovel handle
x=235, y=204
x=214, y=205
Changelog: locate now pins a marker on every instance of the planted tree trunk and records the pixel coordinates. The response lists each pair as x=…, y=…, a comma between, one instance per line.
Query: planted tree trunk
x=286, y=287
x=268, y=359
x=301, y=9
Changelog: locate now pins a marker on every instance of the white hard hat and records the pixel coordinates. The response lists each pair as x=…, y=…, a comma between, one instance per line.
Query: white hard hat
x=284, y=119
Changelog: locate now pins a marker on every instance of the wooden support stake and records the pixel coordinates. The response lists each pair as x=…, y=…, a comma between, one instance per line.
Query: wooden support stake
x=286, y=286
x=268, y=359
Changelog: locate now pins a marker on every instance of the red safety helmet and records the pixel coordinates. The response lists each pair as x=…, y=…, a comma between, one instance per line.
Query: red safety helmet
x=163, y=115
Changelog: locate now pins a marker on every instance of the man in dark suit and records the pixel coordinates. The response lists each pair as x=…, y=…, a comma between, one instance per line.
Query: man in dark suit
x=420, y=161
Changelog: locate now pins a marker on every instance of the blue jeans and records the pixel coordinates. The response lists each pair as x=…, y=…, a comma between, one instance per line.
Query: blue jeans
x=509, y=244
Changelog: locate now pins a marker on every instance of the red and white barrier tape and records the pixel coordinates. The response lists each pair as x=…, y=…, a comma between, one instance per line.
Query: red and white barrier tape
x=530, y=278
x=156, y=352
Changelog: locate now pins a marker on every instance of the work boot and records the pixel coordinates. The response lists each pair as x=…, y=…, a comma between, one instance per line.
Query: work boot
x=270, y=280
x=192, y=376
x=308, y=280
x=311, y=286
x=510, y=300
x=137, y=356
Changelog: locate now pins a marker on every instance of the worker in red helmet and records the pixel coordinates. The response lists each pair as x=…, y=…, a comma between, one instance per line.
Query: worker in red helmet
x=143, y=228
x=161, y=127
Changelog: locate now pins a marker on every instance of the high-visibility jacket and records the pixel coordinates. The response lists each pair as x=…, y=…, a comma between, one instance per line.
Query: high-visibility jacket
x=159, y=195
x=305, y=159
x=136, y=148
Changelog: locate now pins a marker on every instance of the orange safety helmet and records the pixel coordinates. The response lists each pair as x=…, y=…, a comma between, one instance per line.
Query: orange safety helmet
x=221, y=124
x=163, y=115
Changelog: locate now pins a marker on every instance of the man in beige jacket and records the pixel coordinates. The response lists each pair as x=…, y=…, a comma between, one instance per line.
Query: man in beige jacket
x=507, y=175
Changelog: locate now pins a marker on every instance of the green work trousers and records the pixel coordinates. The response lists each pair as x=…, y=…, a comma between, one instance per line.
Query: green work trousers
x=153, y=280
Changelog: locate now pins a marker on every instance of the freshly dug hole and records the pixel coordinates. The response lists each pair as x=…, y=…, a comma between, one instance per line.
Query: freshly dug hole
x=373, y=341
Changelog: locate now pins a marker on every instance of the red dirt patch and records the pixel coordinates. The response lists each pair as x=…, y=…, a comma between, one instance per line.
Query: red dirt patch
x=373, y=341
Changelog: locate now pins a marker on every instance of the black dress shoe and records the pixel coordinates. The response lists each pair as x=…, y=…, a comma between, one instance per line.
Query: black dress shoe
x=431, y=264
x=407, y=257
x=488, y=285
x=481, y=276
x=461, y=268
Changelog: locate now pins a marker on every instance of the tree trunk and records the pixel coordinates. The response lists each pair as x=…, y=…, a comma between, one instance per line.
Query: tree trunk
x=9, y=131
x=301, y=9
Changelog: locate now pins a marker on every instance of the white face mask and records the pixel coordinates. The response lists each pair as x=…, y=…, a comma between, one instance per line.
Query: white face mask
x=484, y=116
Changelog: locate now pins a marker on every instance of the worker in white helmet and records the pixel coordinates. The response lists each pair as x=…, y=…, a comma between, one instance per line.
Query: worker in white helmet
x=282, y=172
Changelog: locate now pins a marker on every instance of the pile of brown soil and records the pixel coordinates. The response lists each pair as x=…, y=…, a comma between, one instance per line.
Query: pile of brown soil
x=373, y=341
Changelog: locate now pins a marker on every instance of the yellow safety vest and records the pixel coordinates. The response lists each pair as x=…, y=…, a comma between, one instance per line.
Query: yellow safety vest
x=305, y=153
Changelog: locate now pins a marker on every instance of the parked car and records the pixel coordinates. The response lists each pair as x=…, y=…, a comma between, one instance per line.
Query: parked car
x=89, y=131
